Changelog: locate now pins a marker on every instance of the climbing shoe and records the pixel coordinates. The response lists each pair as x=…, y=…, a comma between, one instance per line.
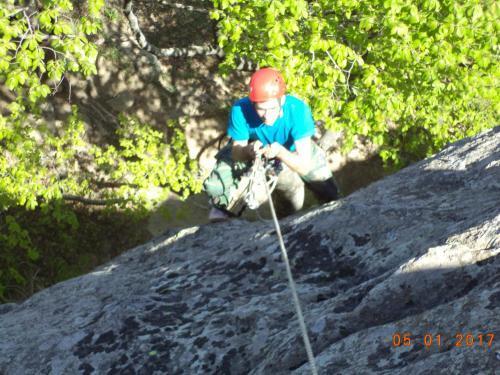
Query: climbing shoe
x=216, y=215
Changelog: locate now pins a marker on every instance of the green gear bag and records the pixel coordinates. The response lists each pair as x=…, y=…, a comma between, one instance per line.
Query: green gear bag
x=225, y=180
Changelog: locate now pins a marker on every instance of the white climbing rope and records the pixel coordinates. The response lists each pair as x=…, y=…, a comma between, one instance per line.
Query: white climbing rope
x=296, y=301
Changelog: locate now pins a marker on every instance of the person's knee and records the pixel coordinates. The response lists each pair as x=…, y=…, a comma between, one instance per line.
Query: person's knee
x=292, y=198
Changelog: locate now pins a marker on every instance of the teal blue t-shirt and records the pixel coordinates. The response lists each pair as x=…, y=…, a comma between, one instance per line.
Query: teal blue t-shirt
x=296, y=123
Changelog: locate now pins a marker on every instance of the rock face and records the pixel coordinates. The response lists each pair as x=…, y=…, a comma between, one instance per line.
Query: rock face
x=411, y=260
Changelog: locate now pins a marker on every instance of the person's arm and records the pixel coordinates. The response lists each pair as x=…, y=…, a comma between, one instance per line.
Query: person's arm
x=299, y=161
x=244, y=151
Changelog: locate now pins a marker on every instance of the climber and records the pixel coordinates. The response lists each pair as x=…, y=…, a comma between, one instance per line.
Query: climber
x=274, y=125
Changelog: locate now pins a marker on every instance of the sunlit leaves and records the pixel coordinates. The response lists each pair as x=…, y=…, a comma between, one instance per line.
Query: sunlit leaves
x=38, y=46
x=51, y=40
x=421, y=66
x=143, y=160
x=39, y=164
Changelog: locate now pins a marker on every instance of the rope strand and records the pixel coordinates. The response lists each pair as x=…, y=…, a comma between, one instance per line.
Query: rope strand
x=296, y=301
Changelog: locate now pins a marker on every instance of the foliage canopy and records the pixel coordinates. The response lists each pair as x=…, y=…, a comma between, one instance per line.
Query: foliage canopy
x=411, y=75
x=42, y=165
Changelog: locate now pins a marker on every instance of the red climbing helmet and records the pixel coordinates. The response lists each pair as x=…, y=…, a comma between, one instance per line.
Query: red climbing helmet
x=265, y=84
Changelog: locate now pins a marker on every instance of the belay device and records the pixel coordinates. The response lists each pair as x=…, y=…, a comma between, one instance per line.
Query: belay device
x=251, y=190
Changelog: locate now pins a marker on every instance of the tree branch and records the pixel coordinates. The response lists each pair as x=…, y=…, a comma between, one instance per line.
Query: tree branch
x=341, y=70
x=191, y=51
x=93, y=202
x=209, y=144
x=165, y=52
x=182, y=6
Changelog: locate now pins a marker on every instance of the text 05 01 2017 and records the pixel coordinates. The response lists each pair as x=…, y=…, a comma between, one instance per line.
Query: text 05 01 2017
x=460, y=340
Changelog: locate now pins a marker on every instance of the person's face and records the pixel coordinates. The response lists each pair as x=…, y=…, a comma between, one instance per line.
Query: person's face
x=269, y=111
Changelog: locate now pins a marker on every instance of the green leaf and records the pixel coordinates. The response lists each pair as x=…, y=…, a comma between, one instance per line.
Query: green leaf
x=14, y=273
x=400, y=29
x=33, y=44
x=23, y=59
x=45, y=20
x=4, y=66
x=33, y=254
x=12, y=81
x=366, y=23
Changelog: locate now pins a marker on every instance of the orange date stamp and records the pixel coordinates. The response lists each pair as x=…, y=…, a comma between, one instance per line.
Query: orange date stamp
x=459, y=340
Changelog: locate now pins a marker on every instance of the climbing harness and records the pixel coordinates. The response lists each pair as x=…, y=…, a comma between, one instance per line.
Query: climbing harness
x=291, y=282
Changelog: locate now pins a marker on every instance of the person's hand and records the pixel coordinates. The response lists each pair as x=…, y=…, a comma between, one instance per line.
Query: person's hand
x=272, y=151
x=255, y=148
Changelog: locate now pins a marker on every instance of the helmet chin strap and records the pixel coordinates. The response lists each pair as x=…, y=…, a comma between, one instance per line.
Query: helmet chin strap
x=282, y=102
